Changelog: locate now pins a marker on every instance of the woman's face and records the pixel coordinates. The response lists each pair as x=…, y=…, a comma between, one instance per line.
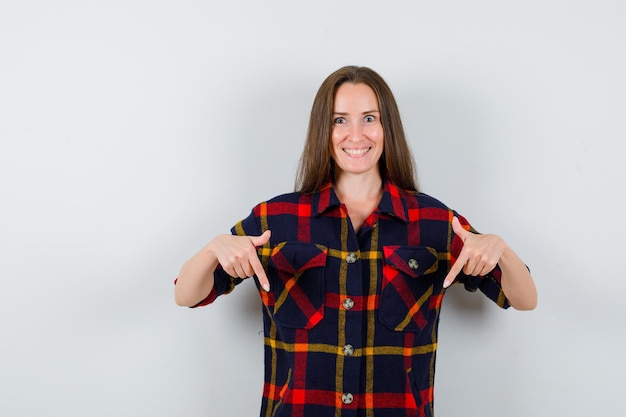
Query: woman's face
x=357, y=134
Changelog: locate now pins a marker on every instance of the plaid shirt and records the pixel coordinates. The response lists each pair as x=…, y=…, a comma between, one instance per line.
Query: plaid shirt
x=351, y=319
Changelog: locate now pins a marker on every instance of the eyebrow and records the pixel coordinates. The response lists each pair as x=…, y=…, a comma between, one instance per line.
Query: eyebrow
x=365, y=112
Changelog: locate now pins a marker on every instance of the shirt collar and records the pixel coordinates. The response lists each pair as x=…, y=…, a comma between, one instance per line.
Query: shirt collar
x=392, y=203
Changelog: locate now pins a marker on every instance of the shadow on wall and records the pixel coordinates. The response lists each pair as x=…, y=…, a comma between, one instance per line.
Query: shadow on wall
x=467, y=303
x=250, y=300
x=271, y=139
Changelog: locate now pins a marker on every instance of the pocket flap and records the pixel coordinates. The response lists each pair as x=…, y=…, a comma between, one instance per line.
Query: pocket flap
x=413, y=261
x=294, y=257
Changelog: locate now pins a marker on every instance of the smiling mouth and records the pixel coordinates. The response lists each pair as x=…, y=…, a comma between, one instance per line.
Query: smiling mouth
x=356, y=152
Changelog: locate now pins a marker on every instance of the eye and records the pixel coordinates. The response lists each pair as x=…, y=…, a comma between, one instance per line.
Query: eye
x=369, y=119
x=339, y=120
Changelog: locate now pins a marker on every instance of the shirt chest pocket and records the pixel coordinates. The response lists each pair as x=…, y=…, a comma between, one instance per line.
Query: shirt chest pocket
x=297, y=281
x=407, y=287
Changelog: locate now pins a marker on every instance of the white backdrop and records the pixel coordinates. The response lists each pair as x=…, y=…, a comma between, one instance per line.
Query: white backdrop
x=134, y=131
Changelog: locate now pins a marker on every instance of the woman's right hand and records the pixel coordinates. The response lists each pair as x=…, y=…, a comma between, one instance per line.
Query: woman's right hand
x=238, y=256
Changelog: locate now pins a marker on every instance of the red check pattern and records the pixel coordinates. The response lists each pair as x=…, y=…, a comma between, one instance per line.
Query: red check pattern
x=351, y=320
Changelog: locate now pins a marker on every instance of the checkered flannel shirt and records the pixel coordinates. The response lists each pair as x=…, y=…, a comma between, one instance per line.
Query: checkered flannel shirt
x=351, y=319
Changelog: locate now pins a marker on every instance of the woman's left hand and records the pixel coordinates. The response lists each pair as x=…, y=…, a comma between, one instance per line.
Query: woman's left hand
x=479, y=255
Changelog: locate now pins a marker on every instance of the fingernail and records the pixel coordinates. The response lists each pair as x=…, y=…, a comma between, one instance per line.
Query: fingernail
x=266, y=287
x=446, y=284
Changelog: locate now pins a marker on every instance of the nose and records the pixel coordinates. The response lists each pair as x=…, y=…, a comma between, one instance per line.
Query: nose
x=356, y=132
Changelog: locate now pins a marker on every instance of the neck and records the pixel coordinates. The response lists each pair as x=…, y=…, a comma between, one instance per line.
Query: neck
x=358, y=187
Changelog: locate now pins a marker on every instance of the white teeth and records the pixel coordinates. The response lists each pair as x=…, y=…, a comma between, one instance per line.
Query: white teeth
x=356, y=152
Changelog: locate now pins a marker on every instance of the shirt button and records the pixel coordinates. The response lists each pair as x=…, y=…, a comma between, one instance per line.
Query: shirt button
x=347, y=398
x=348, y=303
x=348, y=350
x=351, y=258
x=413, y=264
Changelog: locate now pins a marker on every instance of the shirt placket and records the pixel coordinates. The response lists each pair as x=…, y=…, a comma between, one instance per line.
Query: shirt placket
x=350, y=320
x=351, y=334
x=355, y=316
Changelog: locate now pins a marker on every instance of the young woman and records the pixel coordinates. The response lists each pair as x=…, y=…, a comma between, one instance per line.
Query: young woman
x=352, y=267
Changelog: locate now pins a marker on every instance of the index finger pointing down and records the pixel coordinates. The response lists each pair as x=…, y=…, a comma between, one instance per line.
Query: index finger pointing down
x=454, y=271
x=260, y=273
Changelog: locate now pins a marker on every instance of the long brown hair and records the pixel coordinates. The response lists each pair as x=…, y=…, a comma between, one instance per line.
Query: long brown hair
x=316, y=167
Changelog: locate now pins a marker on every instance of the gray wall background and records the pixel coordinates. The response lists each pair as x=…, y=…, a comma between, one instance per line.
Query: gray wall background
x=132, y=132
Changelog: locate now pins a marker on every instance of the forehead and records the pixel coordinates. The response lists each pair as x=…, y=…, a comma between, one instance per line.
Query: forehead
x=355, y=97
